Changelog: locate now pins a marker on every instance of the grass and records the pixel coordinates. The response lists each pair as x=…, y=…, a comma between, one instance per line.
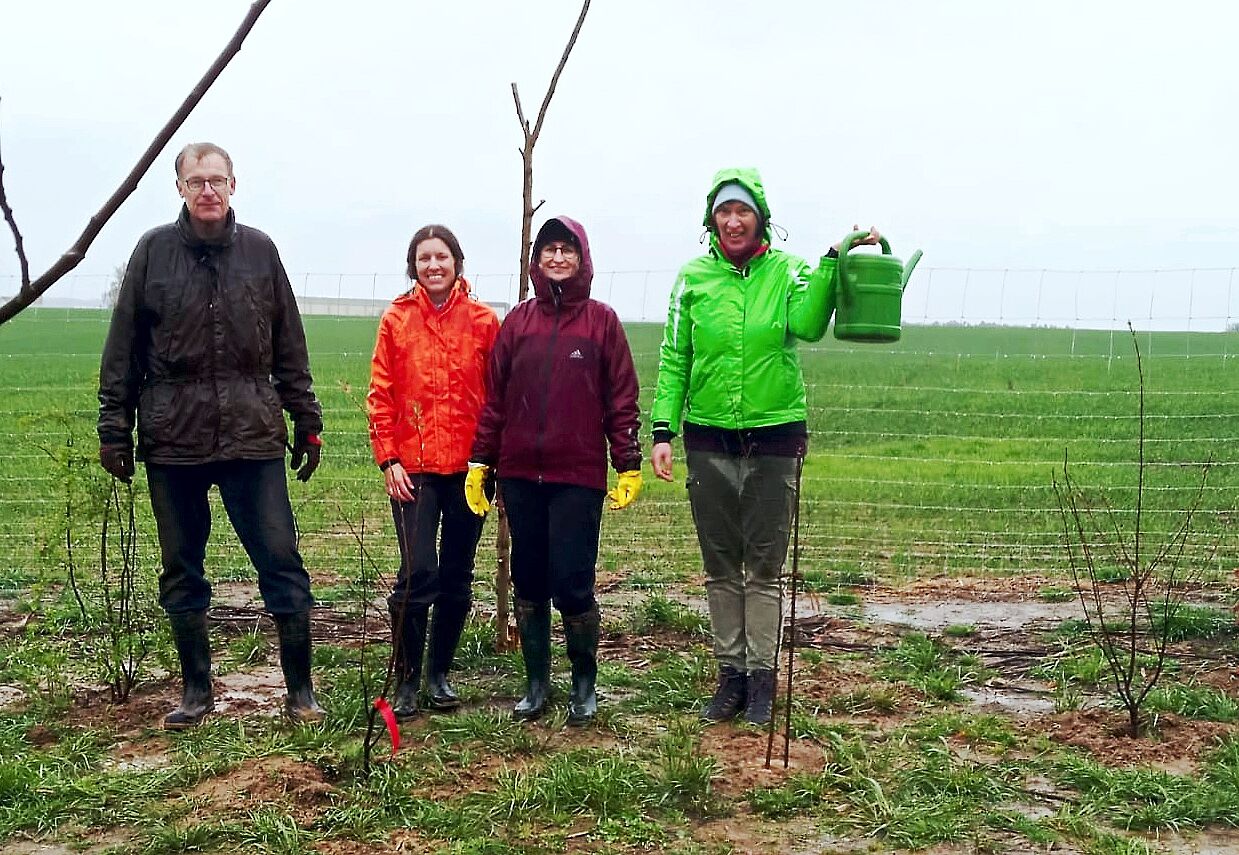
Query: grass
x=934, y=669
x=928, y=457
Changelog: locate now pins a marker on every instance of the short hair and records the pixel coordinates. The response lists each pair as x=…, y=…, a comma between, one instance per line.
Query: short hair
x=443, y=233
x=199, y=150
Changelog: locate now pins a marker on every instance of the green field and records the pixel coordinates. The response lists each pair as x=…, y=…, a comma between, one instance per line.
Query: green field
x=933, y=455
x=929, y=486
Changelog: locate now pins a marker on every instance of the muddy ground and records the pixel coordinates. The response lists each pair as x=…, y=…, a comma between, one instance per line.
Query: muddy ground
x=1010, y=625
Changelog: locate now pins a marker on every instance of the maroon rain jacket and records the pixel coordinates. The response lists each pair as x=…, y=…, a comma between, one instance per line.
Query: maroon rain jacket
x=561, y=385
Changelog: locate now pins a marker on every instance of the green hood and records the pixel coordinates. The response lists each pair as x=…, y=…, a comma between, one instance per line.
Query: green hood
x=748, y=178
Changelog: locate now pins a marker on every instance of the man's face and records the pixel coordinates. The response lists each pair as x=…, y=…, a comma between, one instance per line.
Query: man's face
x=206, y=185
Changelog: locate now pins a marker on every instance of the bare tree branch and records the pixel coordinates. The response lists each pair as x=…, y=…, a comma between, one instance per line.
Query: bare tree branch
x=531, y=139
x=559, y=69
x=528, y=209
x=520, y=115
x=17, y=235
x=31, y=291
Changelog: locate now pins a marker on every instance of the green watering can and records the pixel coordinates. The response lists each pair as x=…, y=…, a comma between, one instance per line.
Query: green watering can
x=870, y=288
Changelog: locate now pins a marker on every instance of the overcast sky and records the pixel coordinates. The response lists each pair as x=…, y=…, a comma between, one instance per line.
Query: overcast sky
x=990, y=134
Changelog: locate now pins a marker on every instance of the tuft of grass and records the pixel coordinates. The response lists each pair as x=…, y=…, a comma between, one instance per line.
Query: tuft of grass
x=685, y=775
x=867, y=699
x=1181, y=621
x=930, y=666
x=910, y=799
x=1055, y=594
x=660, y=613
x=959, y=630
x=843, y=598
x=489, y=729
x=1199, y=702
x=675, y=682
x=1144, y=798
x=247, y=649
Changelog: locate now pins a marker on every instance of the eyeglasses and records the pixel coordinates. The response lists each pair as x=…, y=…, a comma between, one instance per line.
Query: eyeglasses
x=218, y=183
x=567, y=250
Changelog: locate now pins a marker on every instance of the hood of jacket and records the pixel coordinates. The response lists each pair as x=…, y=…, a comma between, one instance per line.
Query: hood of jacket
x=571, y=291
x=750, y=180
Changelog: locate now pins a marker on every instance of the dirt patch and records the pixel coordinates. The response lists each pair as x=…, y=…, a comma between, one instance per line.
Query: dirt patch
x=12, y=623
x=1173, y=743
x=931, y=589
x=741, y=755
x=746, y=834
x=297, y=786
x=146, y=707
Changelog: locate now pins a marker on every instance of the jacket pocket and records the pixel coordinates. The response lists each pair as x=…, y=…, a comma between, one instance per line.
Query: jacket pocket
x=163, y=301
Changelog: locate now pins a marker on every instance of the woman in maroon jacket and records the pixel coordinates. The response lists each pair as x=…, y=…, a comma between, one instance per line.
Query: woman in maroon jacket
x=561, y=385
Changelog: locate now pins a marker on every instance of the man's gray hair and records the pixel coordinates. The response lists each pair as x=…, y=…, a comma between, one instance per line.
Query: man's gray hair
x=199, y=150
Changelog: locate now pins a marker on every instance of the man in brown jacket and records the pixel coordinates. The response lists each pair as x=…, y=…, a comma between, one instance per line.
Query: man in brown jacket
x=206, y=348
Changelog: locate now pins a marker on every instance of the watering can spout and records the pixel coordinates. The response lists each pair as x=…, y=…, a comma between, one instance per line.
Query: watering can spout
x=907, y=271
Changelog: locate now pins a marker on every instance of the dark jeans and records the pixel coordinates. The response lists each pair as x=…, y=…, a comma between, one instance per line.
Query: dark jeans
x=255, y=495
x=438, y=537
x=554, y=542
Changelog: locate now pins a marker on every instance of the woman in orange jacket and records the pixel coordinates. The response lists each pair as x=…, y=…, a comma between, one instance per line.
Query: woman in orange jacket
x=427, y=387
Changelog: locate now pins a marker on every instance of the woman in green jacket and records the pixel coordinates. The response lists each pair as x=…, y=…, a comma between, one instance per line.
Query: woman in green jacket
x=729, y=380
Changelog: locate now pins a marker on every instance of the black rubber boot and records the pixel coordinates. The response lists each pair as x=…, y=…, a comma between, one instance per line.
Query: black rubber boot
x=446, y=626
x=581, y=637
x=409, y=640
x=193, y=648
x=730, y=696
x=534, y=622
x=761, y=696
x=294, y=631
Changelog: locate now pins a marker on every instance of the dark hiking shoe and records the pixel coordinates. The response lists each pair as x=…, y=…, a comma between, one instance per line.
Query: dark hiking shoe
x=761, y=697
x=730, y=696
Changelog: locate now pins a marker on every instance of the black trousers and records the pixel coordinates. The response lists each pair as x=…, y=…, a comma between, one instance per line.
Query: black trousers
x=255, y=495
x=554, y=542
x=438, y=537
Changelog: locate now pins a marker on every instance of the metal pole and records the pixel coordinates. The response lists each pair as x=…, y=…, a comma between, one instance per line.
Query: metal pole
x=791, y=646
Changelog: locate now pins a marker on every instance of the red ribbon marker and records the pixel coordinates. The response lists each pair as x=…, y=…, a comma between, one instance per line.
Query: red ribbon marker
x=389, y=717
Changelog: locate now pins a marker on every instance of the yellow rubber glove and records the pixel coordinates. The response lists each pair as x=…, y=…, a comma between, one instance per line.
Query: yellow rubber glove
x=475, y=494
x=625, y=492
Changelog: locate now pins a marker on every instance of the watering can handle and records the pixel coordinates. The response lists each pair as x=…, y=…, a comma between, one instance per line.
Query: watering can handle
x=848, y=243
x=907, y=270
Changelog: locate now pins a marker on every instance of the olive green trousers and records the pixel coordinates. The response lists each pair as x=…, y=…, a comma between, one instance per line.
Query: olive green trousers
x=742, y=508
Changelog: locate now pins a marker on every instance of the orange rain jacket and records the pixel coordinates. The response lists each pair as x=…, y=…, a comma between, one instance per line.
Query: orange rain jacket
x=428, y=380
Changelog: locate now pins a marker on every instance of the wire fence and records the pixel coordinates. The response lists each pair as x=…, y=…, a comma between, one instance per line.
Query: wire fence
x=935, y=454
x=1188, y=300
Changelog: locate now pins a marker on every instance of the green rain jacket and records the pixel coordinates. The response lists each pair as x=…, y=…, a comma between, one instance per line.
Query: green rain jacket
x=728, y=358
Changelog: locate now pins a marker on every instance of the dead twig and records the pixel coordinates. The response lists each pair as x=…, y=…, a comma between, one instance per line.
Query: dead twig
x=31, y=291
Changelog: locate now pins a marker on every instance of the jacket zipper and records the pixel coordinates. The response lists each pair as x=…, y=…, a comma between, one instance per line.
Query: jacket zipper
x=546, y=387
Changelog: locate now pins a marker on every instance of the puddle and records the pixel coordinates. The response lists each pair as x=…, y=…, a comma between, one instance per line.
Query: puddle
x=1011, y=700
x=1210, y=841
x=990, y=615
x=128, y=757
x=10, y=696
x=258, y=689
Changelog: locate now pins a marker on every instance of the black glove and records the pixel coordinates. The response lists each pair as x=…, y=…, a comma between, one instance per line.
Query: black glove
x=118, y=461
x=307, y=447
